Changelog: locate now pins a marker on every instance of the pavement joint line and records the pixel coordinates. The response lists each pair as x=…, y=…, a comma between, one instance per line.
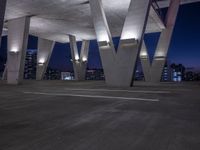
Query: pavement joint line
x=111, y=90
x=93, y=96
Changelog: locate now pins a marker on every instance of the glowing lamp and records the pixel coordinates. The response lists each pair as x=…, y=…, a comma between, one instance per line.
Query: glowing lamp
x=14, y=50
x=143, y=54
x=84, y=59
x=104, y=44
x=159, y=58
x=129, y=42
x=129, y=35
x=77, y=58
x=41, y=62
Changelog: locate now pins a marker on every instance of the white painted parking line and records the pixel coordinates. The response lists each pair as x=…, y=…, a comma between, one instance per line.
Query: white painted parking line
x=129, y=91
x=93, y=96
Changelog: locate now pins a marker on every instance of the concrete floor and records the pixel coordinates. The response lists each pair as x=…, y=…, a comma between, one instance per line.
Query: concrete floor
x=90, y=116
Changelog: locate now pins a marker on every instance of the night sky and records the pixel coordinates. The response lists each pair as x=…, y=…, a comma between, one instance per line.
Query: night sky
x=184, y=49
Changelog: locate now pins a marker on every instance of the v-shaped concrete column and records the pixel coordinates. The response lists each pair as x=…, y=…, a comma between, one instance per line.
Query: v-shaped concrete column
x=79, y=62
x=18, y=31
x=153, y=72
x=2, y=14
x=119, y=66
x=45, y=49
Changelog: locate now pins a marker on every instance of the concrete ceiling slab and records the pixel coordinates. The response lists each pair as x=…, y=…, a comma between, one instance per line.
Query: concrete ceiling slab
x=56, y=19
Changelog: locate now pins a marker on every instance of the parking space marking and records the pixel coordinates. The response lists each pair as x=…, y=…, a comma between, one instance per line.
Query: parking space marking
x=111, y=90
x=94, y=96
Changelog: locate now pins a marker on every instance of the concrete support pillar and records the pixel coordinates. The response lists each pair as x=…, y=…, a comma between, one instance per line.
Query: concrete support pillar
x=79, y=61
x=45, y=49
x=153, y=72
x=18, y=31
x=2, y=13
x=119, y=67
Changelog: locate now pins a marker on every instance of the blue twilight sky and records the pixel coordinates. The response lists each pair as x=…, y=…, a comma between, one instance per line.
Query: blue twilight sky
x=184, y=48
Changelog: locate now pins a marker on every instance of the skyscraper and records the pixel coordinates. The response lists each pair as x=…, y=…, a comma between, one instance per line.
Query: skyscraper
x=30, y=64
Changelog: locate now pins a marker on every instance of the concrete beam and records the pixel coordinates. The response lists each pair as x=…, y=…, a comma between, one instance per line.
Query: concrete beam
x=153, y=72
x=18, y=31
x=79, y=61
x=45, y=49
x=2, y=14
x=119, y=66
